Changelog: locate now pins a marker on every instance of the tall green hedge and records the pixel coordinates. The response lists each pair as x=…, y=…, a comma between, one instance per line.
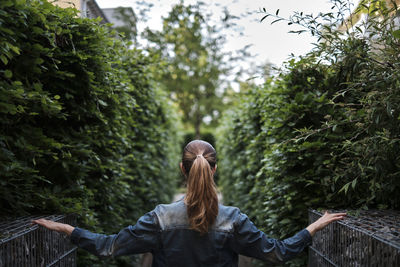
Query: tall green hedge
x=324, y=133
x=83, y=128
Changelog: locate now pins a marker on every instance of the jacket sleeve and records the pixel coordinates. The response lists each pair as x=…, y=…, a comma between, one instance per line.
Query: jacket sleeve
x=140, y=238
x=248, y=240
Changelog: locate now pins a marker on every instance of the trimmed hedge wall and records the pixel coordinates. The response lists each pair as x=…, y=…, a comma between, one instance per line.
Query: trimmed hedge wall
x=83, y=128
x=324, y=133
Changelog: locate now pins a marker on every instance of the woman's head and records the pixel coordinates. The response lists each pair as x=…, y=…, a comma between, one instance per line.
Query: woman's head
x=198, y=165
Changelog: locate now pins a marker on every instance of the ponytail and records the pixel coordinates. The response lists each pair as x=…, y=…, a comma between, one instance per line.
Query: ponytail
x=201, y=198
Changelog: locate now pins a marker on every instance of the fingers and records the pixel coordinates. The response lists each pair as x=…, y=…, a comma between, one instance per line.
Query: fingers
x=35, y=221
x=328, y=218
x=41, y=222
x=45, y=223
x=54, y=226
x=336, y=218
x=334, y=215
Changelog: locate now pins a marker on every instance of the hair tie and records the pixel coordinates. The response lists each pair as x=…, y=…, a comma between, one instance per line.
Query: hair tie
x=198, y=156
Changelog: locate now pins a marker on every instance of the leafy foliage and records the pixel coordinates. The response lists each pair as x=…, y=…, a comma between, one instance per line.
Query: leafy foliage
x=193, y=63
x=324, y=133
x=83, y=129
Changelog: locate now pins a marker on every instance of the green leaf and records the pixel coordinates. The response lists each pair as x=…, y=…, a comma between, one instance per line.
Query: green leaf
x=345, y=188
x=4, y=59
x=15, y=49
x=37, y=30
x=101, y=102
x=396, y=34
x=6, y=3
x=37, y=86
x=285, y=221
x=353, y=184
x=8, y=74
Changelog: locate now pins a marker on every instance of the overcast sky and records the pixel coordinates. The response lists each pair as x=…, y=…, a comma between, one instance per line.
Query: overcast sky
x=270, y=42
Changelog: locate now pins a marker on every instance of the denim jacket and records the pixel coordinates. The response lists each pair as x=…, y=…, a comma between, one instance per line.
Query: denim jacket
x=165, y=232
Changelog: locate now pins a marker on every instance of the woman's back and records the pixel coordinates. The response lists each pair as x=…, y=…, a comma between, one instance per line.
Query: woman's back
x=197, y=230
x=167, y=234
x=181, y=246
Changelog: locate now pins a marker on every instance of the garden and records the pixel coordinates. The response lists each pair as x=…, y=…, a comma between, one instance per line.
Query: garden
x=94, y=126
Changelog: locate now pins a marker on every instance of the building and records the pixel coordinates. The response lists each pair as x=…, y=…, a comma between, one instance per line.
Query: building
x=123, y=19
x=87, y=8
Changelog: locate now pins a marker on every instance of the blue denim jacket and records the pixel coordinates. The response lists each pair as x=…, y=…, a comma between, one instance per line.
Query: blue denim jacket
x=165, y=232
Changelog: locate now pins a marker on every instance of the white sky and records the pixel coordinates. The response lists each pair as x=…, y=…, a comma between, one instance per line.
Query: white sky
x=270, y=42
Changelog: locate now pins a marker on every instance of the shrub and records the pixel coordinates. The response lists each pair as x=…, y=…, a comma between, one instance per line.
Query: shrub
x=324, y=133
x=83, y=128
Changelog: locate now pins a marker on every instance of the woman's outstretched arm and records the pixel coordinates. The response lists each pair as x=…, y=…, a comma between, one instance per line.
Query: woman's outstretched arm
x=140, y=238
x=323, y=221
x=55, y=226
x=250, y=241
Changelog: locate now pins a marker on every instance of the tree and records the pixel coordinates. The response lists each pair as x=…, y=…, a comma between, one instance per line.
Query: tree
x=374, y=8
x=194, y=64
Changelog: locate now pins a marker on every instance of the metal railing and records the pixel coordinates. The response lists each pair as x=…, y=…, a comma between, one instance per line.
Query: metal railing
x=365, y=238
x=24, y=244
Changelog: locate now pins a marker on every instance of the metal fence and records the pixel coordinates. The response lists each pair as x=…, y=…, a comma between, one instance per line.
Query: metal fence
x=365, y=238
x=26, y=245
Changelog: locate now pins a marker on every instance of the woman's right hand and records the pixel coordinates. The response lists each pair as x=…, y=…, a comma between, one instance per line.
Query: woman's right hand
x=55, y=226
x=323, y=221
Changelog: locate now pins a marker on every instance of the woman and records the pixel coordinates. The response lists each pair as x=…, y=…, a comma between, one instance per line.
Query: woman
x=197, y=230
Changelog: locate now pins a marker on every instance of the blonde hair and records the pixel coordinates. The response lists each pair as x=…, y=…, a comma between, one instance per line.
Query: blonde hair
x=199, y=160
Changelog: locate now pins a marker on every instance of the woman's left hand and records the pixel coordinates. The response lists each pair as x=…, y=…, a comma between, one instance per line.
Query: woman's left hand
x=323, y=221
x=55, y=226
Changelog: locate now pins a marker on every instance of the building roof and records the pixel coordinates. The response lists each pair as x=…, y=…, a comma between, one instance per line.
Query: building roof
x=115, y=15
x=93, y=11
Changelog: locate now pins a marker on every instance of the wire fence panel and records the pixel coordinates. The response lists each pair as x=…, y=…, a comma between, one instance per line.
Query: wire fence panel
x=23, y=244
x=366, y=238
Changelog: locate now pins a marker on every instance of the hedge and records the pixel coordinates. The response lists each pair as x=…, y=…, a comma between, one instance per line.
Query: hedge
x=324, y=133
x=83, y=127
